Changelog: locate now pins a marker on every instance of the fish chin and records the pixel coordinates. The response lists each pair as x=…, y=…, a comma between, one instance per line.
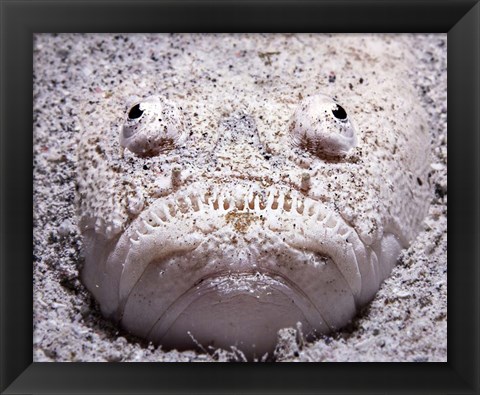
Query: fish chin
x=232, y=266
x=237, y=309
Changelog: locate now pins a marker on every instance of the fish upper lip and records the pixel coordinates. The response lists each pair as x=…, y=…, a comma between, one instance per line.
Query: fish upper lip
x=250, y=199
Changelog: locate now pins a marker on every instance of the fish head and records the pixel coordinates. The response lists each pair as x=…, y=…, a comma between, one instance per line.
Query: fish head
x=220, y=221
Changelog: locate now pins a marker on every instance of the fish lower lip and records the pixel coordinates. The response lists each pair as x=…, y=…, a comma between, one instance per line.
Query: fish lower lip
x=241, y=309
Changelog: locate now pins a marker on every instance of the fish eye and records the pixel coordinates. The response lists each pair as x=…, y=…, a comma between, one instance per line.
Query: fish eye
x=322, y=127
x=339, y=112
x=151, y=127
x=135, y=112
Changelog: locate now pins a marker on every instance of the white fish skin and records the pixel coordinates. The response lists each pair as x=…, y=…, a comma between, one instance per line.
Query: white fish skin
x=242, y=193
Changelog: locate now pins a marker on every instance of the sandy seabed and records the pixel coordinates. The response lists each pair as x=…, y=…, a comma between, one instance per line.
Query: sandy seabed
x=406, y=321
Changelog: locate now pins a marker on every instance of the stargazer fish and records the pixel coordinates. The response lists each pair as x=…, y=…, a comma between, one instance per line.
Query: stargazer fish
x=253, y=183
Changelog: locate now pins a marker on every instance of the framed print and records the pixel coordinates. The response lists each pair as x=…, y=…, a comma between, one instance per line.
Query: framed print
x=197, y=188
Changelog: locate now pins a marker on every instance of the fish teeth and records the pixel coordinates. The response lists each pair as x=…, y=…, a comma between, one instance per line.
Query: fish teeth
x=256, y=201
x=182, y=204
x=149, y=227
x=224, y=201
x=270, y=199
x=336, y=227
x=287, y=203
x=213, y=200
x=300, y=206
x=139, y=234
x=166, y=210
x=134, y=241
x=193, y=202
x=249, y=200
x=230, y=201
x=294, y=202
x=346, y=235
x=281, y=200
x=156, y=218
x=239, y=199
x=322, y=214
x=309, y=207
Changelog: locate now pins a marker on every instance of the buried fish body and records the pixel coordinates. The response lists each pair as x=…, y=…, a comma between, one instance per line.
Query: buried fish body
x=225, y=213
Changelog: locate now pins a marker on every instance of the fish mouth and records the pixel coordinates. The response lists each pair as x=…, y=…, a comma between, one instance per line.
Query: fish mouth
x=233, y=264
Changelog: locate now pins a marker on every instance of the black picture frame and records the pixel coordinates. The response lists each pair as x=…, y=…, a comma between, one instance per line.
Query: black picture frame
x=21, y=19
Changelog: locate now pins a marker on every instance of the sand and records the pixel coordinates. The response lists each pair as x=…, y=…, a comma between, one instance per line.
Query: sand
x=407, y=320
